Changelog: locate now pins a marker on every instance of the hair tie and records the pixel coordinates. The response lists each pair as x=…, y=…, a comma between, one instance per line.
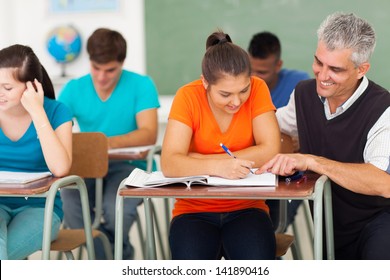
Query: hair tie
x=223, y=40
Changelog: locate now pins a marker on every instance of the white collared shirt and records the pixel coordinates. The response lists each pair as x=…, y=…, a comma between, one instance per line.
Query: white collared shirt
x=377, y=149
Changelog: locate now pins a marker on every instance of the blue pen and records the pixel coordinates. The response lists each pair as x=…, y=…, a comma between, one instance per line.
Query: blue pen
x=226, y=149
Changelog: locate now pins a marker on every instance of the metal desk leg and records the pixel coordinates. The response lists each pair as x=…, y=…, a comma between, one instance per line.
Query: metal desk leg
x=150, y=240
x=167, y=208
x=329, y=220
x=309, y=221
x=87, y=220
x=318, y=208
x=48, y=218
x=119, y=226
x=98, y=203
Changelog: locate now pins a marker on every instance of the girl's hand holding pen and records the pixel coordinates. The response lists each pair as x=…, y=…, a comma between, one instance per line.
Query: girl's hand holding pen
x=226, y=149
x=233, y=168
x=229, y=168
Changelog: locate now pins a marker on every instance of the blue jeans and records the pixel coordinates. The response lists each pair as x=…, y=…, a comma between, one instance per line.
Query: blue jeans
x=239, y=235
x=73, y=215
x=21, y=231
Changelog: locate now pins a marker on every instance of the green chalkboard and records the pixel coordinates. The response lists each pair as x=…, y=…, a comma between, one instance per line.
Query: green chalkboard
x=176, y=32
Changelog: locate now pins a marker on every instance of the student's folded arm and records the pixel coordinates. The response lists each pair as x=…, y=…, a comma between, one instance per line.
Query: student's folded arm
x=175, y=159
x=146, y=134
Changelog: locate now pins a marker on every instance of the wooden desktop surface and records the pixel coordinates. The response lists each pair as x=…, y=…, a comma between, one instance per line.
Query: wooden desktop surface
x=35, y=187
x=292, y=190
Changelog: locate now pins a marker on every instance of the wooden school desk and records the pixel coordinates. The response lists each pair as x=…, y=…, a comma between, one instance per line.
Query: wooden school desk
x=48, y=187
x=315, y=188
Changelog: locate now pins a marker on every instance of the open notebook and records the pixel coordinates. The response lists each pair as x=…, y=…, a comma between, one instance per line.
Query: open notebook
x=143, y=179
x=9, y=177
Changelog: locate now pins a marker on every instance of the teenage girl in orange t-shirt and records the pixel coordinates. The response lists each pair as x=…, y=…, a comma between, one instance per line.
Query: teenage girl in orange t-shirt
x=226, y=106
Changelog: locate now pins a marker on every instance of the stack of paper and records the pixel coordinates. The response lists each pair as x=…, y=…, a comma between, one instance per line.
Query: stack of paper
x=10, y=177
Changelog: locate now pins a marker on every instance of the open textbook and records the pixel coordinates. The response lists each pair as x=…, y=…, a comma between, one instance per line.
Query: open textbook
x=10, y=177
x=143, y=179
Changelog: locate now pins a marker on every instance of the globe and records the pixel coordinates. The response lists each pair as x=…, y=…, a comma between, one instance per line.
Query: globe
x=64, y=44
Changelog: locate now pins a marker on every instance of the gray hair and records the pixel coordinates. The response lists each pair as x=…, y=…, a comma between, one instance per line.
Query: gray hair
x=347, y=31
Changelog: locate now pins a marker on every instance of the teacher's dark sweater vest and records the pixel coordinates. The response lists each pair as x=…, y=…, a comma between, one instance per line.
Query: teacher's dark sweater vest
x=342, y=139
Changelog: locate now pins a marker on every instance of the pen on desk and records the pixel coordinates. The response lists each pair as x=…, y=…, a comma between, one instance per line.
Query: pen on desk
x=226, y=149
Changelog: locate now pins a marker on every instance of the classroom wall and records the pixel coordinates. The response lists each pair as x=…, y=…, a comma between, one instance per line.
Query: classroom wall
x=172, y=47
x=166, y=38
x=29, y=22
x=176, y=32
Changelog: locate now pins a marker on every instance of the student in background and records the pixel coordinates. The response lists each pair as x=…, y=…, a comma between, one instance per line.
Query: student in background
x=343, y=123
x=122, y=105
x=35, y=136
x=226, y=105
x=265, y=54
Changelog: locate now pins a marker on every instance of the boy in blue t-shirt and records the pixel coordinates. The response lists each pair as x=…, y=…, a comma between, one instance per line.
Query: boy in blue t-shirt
x=122, y=105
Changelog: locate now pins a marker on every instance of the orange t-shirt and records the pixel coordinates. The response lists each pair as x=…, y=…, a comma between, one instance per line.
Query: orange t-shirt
x=190, y=106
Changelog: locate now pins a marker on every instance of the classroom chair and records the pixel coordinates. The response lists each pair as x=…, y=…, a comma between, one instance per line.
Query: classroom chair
x=82, y=144
x=90, y=160
x=81, y=150
x=283, y=243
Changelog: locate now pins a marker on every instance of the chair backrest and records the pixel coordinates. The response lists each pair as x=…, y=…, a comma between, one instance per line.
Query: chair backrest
x=90, y=155
x=287, y=144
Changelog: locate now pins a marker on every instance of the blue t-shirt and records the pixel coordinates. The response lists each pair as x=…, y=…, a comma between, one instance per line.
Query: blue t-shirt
x=25, y=154
x=133, y=94
x=287, y=81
